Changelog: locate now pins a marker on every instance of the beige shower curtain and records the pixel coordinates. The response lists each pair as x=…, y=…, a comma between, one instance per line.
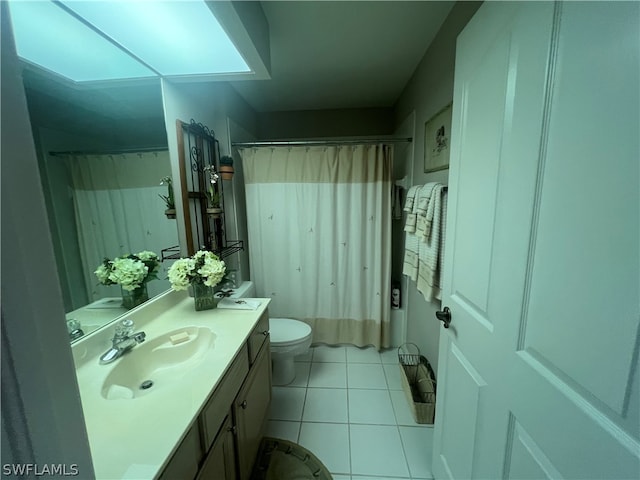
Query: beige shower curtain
x=319, y=221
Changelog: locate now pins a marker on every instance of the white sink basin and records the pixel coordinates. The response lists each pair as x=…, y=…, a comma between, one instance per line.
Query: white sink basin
x=156, y=363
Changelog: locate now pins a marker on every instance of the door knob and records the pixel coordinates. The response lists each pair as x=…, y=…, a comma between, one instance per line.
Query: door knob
x=444, y=316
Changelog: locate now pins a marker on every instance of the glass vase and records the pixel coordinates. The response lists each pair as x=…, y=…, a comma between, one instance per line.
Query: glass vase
x=133, y=298
x=204, y=297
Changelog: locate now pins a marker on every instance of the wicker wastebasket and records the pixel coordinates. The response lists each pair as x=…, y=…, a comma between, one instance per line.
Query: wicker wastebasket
x=418, y=383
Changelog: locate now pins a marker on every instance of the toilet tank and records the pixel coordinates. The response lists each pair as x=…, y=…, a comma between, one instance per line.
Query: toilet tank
x=244, y=290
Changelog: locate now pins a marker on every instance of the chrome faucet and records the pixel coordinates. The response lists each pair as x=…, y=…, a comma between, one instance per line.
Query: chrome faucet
x=123, y=341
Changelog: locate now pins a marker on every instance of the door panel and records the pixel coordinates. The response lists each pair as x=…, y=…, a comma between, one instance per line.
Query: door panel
x=464, y=387
x=526, y=459
x=482, y=102
x=556, y=342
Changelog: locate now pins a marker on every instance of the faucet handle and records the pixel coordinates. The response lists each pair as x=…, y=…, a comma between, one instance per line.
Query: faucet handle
x=124, y=328
x=140, y=337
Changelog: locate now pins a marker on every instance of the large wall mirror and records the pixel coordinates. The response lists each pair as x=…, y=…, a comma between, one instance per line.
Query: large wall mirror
x=102, y=152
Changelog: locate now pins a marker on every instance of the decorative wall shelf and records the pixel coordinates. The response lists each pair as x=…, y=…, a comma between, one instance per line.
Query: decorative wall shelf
x=233, y=246
x=170, y=253
x=199, y=155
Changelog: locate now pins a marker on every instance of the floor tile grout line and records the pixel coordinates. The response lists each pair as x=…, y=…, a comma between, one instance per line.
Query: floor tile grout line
x=348, y=417
x=404, y=452
x=349, y=426
x=304, y=405
x=348, y=404
x=302, y=414
x=393, y=407
x=350, y=448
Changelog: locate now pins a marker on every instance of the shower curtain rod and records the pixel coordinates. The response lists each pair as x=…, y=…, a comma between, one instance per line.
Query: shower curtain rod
x=320, y=142
x=110, y=152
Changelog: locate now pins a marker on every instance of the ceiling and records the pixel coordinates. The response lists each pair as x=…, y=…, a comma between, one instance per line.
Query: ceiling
x=331, y=54
x=324, y=55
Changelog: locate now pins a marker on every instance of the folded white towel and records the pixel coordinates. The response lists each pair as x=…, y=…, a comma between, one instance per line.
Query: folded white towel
x=410, y=223
x=239, y=303
x=426, y=204
x=411, y=196
x=410, y=262
x=411, y=206
x=430, y=251
x=443, y=237
x=423, y=197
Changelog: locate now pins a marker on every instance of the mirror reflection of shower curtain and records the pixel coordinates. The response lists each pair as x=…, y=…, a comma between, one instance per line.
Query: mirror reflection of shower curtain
x=319, y=221
x=118, y=212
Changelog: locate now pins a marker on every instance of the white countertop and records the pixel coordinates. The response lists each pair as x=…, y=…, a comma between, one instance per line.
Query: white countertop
x=133, y=438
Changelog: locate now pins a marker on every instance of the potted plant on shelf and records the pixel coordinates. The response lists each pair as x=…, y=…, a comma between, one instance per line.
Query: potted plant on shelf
x=213, y=204
x=226, y=167
x=203, y=271
x=213, y=194
x=169, y=200
x=132, y=273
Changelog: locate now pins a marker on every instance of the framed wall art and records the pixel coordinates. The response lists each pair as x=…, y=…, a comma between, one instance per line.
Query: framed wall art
x=437, y=139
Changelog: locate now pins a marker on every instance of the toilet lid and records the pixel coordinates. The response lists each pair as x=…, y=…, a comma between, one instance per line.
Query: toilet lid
x=287, y=330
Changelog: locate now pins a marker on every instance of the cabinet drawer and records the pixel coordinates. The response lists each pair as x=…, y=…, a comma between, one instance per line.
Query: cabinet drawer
x=258, y=336
x=220, y=464
x=217, y=407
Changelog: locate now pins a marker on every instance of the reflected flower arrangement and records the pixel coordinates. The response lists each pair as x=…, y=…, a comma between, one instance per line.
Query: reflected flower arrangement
x=129, y=271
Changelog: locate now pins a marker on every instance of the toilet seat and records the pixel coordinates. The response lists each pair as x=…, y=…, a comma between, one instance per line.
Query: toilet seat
x=285, y=332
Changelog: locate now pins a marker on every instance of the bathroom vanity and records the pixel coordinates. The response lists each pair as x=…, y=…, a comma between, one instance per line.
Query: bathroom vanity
x=204, y=413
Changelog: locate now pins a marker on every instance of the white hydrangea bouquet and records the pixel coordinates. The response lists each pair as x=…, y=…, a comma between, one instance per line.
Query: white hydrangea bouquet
x=203, y=271
x=131, y=272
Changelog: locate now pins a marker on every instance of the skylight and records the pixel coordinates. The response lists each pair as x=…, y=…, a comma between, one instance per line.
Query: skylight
x=49, y=37
x=175, y=38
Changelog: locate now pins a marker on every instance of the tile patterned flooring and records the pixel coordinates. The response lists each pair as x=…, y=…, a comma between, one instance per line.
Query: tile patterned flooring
x=346, y=405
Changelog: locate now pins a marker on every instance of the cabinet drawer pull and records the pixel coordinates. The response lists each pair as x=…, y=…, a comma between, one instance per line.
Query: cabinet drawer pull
x=265, y=333
x=232, y=429
x=244, y=404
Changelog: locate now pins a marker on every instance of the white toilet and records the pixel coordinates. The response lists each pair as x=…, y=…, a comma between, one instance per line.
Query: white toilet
x=289, y=338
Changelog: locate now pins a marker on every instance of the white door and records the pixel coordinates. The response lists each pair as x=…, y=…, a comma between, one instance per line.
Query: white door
x=538, y=371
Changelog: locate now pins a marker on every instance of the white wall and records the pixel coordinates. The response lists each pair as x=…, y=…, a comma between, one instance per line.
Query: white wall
x=429, y=90
x=41, y=408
